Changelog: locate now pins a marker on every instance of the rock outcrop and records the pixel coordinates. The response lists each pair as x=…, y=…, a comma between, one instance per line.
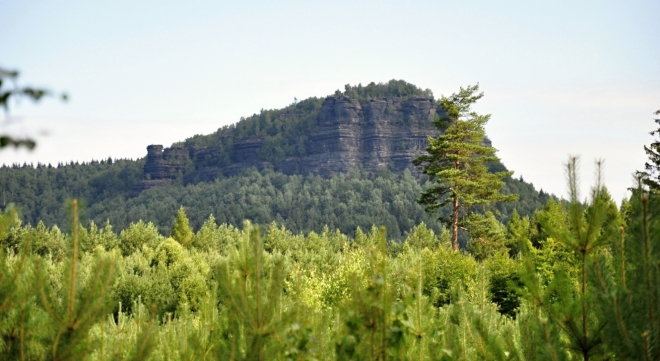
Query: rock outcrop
x=350, y=134
x=165, y=164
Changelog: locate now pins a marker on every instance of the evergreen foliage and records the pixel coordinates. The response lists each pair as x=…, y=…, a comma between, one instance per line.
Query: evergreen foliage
x=50, y=307
x=252, y=292
x=540, y=279
x=301, y=203
x=283, y=131
x=39, y=191
x=395, y=88
x=457, y=162
x=487, y=235
x=572, y=281
x=570, y=302
x=104, y=188
x=652, y=166
x=627, y=279
x=181, y=231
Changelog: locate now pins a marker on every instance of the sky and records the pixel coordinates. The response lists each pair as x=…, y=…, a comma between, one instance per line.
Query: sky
x=561, y=78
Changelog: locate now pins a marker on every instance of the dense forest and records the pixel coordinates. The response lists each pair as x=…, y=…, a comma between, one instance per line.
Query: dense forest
x=575, y=281
x=41, y=192
x=301, y=203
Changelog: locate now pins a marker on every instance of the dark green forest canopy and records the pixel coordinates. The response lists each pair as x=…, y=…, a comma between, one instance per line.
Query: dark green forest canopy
x=301, y=203
x=289, y=122
x=41, y=192
x=393, y=88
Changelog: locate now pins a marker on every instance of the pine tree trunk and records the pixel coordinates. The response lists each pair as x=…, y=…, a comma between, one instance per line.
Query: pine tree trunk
x=454, y=224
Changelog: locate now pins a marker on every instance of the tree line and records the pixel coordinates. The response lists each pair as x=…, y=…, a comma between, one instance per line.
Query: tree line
x=301, y=203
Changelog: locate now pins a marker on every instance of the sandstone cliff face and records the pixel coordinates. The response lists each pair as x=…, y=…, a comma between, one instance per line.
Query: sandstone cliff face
x=350, y=134
x=165, y=164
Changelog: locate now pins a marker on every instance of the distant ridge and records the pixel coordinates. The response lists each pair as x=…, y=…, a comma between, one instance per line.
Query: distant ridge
x=373, y=127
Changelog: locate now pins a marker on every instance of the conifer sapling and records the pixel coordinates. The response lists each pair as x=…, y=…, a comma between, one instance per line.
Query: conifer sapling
x=181, y=231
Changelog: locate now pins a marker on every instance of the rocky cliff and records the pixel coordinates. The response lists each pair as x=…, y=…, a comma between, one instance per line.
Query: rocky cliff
x=386, y=132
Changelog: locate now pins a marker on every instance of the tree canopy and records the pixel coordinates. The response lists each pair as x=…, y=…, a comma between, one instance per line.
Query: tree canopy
x=395, y=88
x=181, y=231
x=651, y=175
x=553, y=291
x=302, y=203
x=458, y=159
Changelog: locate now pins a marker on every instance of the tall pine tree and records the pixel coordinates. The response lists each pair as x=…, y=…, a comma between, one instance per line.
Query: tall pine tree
x=458, y=159
x=651, y=176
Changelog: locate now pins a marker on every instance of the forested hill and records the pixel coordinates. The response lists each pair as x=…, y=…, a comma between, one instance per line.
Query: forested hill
x=373, y=127
x=342, y=161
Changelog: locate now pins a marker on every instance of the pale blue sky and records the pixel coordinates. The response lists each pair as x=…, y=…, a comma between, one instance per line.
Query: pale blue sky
x=560, y=77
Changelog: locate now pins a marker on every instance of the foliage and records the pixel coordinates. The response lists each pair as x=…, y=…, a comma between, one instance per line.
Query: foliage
x=457, y=162
x=487, y=235
x=268, y=293
x=300, y=203
x=283, y=131
x=7, y=94
x=136, y=236
x=570, y=302
x=181, y=231
x=396, y=88
x=540, y=279
x=627, y=279
x=39, y=192
x=651, y=175
x=49, y=308
x=252, y=293
x=105, y=187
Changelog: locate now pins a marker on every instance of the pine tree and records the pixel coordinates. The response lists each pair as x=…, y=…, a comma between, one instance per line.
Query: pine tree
x=253, y=295
x=569, y=300
x=652, y=173
x=628, y=279
x=458, y=161
x=181, y=231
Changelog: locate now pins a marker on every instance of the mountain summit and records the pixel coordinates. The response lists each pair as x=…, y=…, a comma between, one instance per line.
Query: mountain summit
x=378, y=126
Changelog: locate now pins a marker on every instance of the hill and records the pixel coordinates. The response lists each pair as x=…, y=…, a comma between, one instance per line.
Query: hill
x=341, y=161
x=373, y=127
